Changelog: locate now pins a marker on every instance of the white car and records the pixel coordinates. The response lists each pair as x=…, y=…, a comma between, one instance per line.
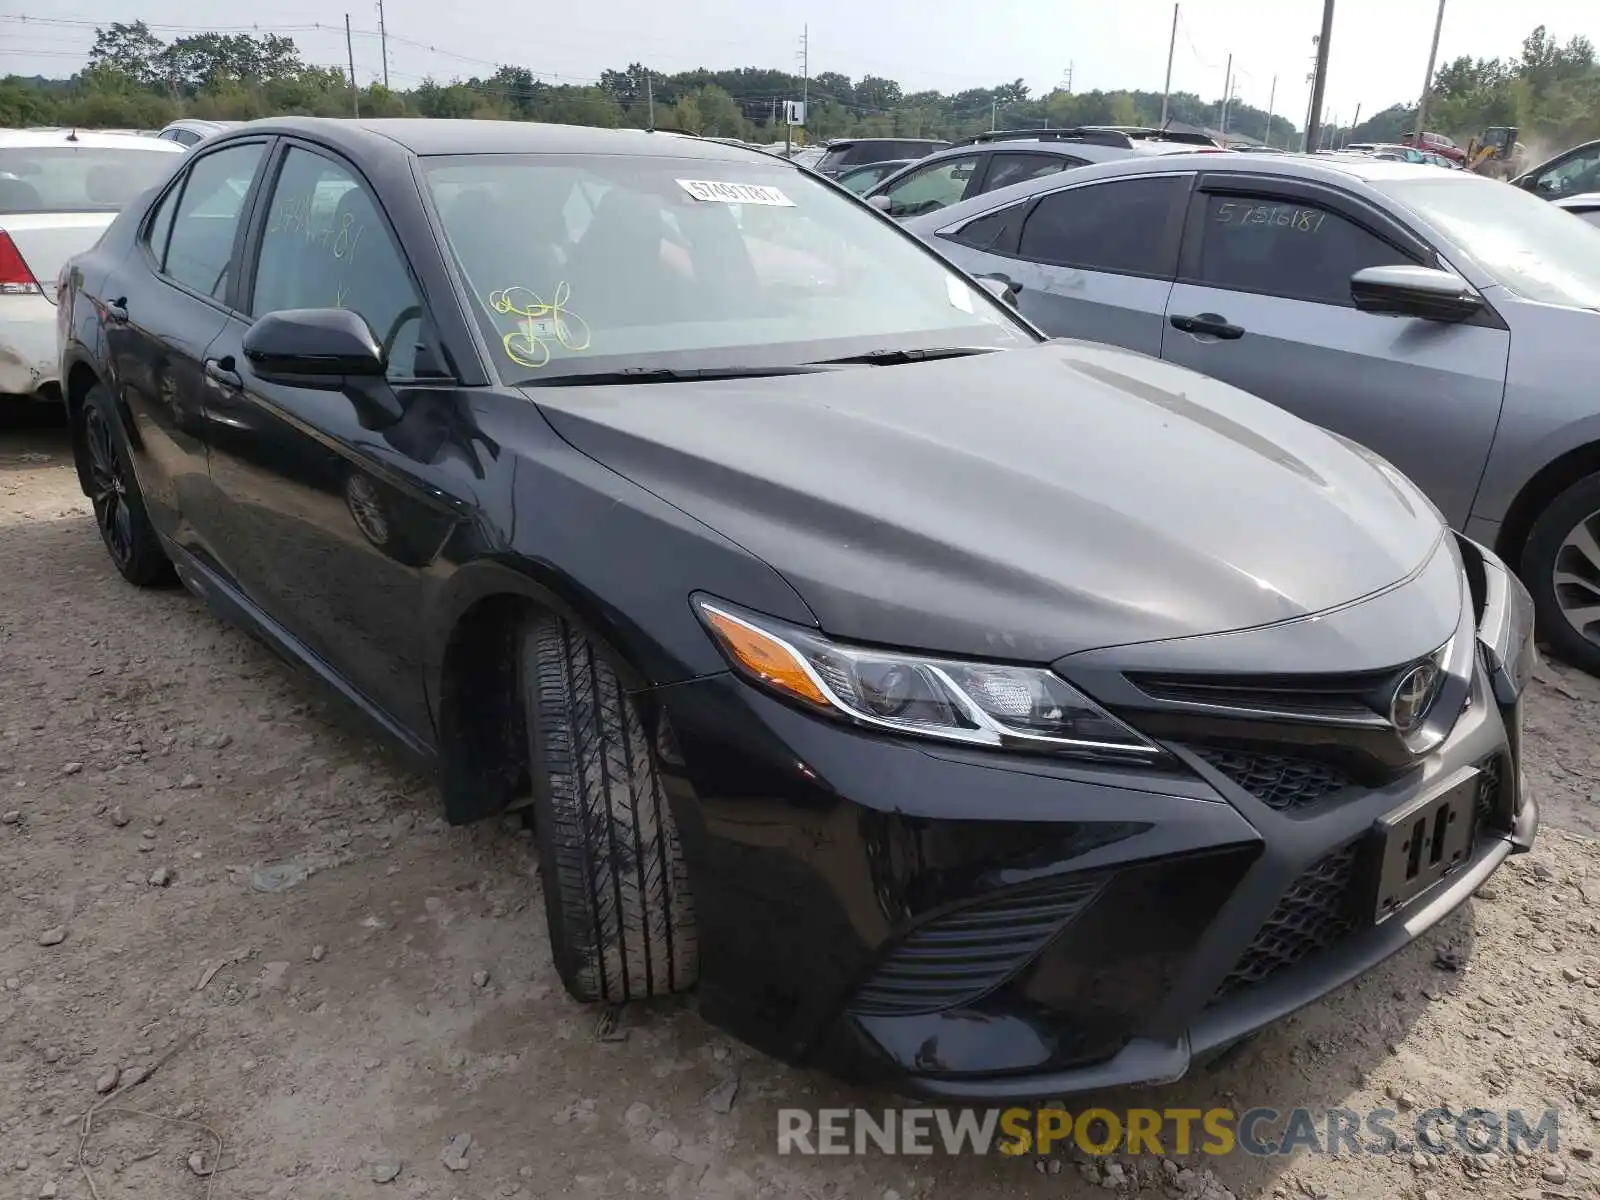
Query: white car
x=1586, y=205
x=59, y=189
x=191, y=131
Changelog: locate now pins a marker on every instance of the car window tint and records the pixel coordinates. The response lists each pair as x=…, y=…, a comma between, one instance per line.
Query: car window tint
x=160, y=227
x=933, y=187
x=1580, y=173
x=325, y=246
x=1006, y=169
x=1115, y=226
x=1286, y=248
x=201, y=247
x=987, y=230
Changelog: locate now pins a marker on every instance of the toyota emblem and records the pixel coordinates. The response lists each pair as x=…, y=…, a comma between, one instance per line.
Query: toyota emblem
x=1413, y=696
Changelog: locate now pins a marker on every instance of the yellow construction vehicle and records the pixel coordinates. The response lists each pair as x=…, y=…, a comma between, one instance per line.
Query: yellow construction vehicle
x=1495, y=152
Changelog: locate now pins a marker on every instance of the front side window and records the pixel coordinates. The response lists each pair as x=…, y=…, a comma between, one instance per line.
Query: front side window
x=1006, y=169
x=1580, y=173
x=1286, y=248
x=200, y=249
x=1117, y=226
x=325, y=246
x=1527, y=244
x=936, y=186
x=687, y=263
x=52, y=179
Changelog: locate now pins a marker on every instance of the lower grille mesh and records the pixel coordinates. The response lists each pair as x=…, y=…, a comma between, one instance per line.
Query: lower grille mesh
x=960, y=956
x=1276, y=780
x=1310, y=916
x=1489, y=811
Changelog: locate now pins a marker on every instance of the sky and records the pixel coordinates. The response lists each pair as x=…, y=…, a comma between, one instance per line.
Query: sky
x=1379, y=48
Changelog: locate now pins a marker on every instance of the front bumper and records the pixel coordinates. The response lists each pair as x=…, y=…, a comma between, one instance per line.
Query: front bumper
x=27, y=345
x=983, y=927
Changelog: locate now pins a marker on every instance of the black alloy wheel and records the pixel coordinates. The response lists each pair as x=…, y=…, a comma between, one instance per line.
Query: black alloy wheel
x=119, y=511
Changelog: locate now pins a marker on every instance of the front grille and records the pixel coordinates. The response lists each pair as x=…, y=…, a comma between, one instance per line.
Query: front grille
x=956, y=958
x=1354, y=694
x=1490, y=798
x=1277, y=780
x=1311, y=915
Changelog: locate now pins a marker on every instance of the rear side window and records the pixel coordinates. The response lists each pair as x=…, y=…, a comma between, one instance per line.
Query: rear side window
x=1286, y=248
x=1007, y=169
x=991, y=229
x=1119, y=226
x=51, y=179
x=200, y=250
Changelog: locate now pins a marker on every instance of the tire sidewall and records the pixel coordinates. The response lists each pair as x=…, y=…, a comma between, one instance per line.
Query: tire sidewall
x=1559, y=518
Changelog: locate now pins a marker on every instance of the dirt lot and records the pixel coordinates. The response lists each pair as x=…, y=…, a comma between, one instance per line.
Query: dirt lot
x=255, y=902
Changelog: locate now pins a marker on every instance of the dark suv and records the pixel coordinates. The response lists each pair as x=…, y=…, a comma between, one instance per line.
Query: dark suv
x=857, y=151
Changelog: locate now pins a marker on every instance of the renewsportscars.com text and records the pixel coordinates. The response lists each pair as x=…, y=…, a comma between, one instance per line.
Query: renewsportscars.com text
x=1171, y=1131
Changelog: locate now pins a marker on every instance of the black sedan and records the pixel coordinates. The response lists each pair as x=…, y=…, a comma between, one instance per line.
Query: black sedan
x=994, y=715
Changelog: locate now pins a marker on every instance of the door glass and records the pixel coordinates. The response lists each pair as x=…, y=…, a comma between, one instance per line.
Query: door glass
x=1116, y=226
x=201, y=247
x=931, y=188
x=1285, y=248
x=1006, y=169
x=989, y=229
x=325, y=246
x=1580, y=173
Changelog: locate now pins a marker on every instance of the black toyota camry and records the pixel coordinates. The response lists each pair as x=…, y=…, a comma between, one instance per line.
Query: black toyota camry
x=993, y=716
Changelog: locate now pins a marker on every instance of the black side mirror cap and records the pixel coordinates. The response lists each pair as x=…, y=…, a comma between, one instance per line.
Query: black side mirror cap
x=313, y=347
x=1001, y=287
x=1408, y=291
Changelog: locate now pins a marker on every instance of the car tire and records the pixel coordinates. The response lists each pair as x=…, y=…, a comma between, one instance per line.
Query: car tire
x=106, y=467
x=615, y=888
x=1548, y=551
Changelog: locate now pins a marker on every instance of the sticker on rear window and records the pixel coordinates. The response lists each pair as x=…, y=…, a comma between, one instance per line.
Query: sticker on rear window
x=735, y=193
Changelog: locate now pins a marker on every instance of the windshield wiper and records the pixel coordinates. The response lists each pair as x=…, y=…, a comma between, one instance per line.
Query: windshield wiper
x=665, y=375
x=893, y=358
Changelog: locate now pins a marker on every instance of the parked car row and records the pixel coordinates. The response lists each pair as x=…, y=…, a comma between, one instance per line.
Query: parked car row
x=999, y=715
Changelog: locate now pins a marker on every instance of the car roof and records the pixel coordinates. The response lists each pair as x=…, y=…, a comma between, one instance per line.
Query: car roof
x=200, y=123
x=1585, y=201
x=38, y=139
x=426, y=137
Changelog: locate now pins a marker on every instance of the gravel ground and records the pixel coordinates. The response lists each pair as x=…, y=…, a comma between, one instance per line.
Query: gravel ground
x=212, y=877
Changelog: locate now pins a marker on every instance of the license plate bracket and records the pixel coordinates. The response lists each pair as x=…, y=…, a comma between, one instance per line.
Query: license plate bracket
x=1420, y=843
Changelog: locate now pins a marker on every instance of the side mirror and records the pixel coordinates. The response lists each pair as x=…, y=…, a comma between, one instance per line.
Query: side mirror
x=879, y=202
x=313, y=347
x=1407, y=291
x=1001, y=287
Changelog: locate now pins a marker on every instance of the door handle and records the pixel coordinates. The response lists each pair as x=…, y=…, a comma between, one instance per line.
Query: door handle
x=221, y=370
x=1208, y=324
x=117, y=310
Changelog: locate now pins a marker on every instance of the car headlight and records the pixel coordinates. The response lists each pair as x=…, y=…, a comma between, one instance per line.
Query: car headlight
x=979, y=703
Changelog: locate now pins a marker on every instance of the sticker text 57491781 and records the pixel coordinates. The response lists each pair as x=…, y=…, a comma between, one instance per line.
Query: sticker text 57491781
x=735, y=193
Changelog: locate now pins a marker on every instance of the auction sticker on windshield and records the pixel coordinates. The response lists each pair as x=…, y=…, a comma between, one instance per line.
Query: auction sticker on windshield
x=735, y=193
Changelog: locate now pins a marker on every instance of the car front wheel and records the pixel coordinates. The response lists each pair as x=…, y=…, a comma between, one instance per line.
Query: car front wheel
x=615, y=888
x=119, y=510
x=1561, y=567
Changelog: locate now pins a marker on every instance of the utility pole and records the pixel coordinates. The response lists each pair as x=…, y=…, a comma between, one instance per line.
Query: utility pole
x=1318, y=84
x=1427, y=83
x=383, y=41
x=1166, y=88
x=805, y=68
x=349, y=49
x=1227, y=86
x=1069, y=77
x=649, y=98
x=1272, y=99
x=1354, y=121
x=993, y=104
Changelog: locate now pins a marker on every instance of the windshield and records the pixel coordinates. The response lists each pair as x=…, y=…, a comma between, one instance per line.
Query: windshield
x=1529, y=245
x=52, y=179
x=603, y=263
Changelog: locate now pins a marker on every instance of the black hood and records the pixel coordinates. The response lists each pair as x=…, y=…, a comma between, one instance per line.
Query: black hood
x=1019, y=505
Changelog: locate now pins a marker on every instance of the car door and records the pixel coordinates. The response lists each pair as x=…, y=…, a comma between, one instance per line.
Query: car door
x=163, y=305
x=336, y=508
x=1263, y=302
x=934, y=186
x=1093, y=261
